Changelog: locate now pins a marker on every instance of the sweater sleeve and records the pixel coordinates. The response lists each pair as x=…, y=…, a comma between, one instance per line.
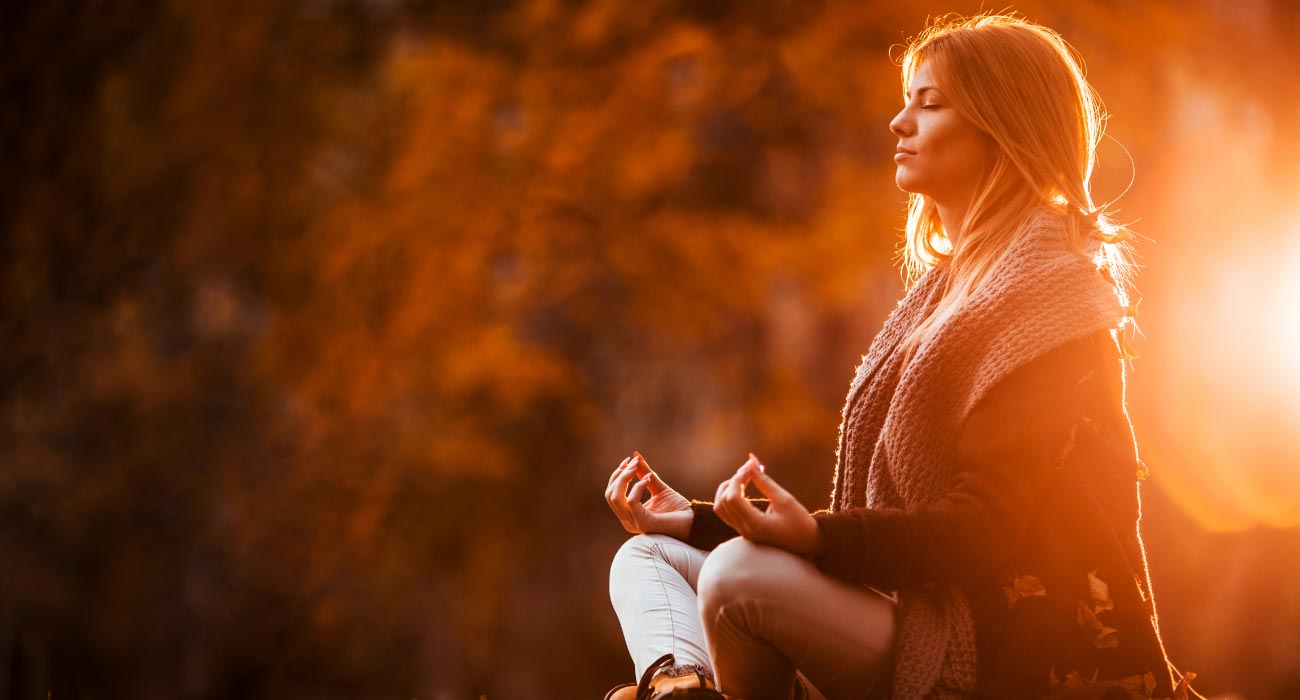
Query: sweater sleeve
x=1010, y=444
x=708, y=530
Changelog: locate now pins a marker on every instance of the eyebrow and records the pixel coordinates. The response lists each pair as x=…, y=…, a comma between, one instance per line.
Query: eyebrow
x=922, y=90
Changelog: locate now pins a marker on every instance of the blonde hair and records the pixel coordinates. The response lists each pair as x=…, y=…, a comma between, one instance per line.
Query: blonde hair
x=1023, y=86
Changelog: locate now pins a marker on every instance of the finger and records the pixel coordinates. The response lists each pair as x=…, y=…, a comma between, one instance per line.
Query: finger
x=740, y=481
x=769, y=487
x=611, y=491
x=736, y=491
x=744, y=470
x=722, y=487
x=638, y=467
x=623, y=514
x=741, y=514
x=734, y=505
x=720, y=504
x=721, y=495
x=742, y=495
x=748, y=522
x=638, y=489
x=724, y=511
x=618, y=470
x=622, y=467
x=618, y=491
x=730, y=493
x=640, y=516
x=637, y=464
x=656, y=485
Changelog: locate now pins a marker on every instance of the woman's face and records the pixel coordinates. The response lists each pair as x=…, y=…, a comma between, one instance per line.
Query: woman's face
x=940, y=154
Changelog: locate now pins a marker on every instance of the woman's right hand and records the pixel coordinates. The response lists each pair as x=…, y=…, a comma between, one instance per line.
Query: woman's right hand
x=666, y=512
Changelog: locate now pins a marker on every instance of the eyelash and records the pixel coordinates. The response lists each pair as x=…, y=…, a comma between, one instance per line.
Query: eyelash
x=931, y=106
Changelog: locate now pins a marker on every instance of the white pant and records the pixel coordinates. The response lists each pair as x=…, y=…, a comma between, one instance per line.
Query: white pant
x=761, y=615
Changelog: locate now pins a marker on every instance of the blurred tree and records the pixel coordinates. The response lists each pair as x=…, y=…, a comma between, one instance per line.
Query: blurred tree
x=326, y=320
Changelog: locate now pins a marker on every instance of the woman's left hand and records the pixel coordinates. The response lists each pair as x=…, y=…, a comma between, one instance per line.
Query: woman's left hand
x=786, y=523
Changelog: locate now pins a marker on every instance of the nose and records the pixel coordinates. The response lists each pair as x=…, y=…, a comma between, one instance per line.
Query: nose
x=901, y=125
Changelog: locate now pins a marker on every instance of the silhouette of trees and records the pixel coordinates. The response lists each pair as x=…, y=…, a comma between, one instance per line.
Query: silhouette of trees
x=325, y=320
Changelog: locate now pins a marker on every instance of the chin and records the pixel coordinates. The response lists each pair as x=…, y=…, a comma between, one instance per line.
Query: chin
x=905, y=183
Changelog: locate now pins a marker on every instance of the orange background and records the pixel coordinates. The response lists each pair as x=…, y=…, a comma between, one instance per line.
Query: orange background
x=326, y=321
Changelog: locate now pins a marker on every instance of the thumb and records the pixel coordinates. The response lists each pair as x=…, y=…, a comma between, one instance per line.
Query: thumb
x=655, y=484
x=643, y=470
x=767, y=486
x=634, y=496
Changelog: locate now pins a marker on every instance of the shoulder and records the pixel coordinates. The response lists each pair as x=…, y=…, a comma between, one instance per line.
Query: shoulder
x=1094, y=351
x=1028, y=416
x=1070, y=362
x=1057, y=379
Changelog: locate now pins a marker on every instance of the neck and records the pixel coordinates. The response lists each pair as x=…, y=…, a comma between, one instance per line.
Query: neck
x=952, y=212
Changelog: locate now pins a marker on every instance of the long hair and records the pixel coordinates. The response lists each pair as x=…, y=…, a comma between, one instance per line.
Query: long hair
x=1023, y=86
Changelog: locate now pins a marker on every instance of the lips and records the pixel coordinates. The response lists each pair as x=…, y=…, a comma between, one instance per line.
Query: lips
x=902, y=154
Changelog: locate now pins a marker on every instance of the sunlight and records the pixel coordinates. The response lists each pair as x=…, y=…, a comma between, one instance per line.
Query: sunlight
x=1277, y=312
x=1233, y=392
x=1289, y=319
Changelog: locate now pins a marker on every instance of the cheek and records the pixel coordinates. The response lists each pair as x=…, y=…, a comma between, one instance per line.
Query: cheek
x=974, y=151
x=962, y=153
x=953, y=153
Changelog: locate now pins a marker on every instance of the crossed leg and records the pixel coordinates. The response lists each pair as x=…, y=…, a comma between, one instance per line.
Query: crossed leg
x=767, y=612
x=761, y=615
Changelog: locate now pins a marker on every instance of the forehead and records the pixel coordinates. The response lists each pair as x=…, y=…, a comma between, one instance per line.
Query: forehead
x=921, y=79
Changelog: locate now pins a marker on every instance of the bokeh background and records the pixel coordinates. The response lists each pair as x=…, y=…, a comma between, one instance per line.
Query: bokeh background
x=324, y=322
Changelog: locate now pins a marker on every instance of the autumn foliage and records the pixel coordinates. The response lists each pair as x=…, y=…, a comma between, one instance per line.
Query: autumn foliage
x=325, y=321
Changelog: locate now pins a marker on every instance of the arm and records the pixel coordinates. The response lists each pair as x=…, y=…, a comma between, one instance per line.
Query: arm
x=1010, y=445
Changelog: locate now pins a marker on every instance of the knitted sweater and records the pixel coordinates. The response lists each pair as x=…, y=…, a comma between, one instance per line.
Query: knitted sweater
x=922, y=477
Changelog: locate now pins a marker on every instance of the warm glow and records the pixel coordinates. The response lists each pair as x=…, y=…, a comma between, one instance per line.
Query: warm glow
x=1289, y=320
x=325, y=322
x=1234, y=390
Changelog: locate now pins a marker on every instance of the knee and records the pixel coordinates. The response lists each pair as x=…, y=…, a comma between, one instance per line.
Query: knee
x=638, y=548
x=738, y=571
x=630, y=560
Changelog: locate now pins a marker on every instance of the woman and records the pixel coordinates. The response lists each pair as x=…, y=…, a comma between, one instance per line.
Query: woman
x=982, y=537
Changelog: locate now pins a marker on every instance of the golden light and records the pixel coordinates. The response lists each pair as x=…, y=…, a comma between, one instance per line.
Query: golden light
x=1230, y=400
